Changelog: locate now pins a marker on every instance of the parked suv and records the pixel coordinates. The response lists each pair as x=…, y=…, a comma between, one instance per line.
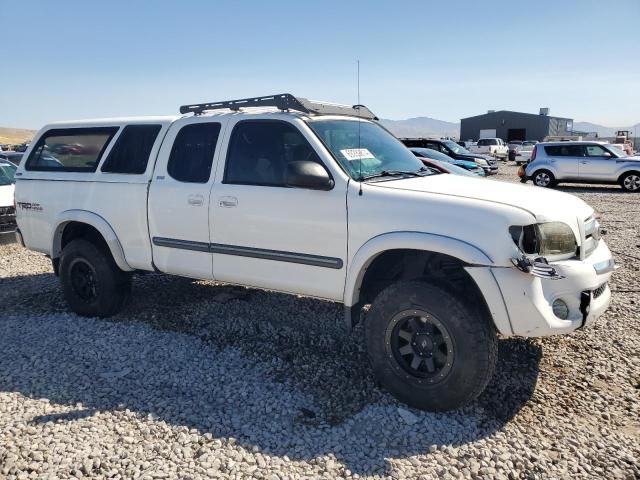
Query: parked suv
x=583, y=162
x=455, y=151
x=316, y=199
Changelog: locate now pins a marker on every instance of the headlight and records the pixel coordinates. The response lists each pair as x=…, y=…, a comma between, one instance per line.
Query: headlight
x=545, y=239
x=556, y=238
x=481, y=161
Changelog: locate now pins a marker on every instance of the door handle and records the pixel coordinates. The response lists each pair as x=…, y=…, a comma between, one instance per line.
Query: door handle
x=228, y=202
x=583, y=162
x=195, y=200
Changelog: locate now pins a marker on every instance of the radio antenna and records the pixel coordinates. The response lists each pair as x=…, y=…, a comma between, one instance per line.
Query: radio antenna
x=358, y=103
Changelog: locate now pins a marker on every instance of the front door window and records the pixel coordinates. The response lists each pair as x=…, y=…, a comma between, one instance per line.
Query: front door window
x=596, y=151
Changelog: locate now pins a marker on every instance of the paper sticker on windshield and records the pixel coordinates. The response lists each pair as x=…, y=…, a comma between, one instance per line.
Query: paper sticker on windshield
x=352, y=154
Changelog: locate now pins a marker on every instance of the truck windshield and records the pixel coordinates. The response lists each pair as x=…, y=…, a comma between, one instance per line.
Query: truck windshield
x=455, y=148
x=364, y=149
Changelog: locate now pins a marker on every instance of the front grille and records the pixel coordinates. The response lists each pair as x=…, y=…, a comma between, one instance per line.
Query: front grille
x=599, y=291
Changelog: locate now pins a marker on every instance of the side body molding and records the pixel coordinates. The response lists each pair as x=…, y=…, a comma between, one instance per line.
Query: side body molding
x=368, y=252
x=96, y=221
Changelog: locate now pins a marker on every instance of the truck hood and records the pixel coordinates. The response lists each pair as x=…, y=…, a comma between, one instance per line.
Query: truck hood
x=471, y=156
x=6, y=195
x=545, y=205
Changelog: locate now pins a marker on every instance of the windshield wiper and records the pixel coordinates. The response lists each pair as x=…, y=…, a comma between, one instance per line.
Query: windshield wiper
x=395, y=173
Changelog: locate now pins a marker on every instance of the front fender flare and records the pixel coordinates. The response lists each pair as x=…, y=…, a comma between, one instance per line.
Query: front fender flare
x=367, y=253
x=97, y=222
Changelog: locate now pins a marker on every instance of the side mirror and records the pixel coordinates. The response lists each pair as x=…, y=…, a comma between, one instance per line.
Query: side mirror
x=607, y=155
x=309, y=175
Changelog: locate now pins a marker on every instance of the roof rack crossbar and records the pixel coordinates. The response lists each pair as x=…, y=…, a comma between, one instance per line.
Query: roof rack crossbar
x=283, y=101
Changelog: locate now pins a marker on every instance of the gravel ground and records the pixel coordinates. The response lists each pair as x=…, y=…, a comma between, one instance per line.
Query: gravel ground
x=196, y=380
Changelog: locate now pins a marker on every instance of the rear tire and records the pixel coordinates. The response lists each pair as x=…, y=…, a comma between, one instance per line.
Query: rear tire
x=630, y=181
x=427, y=348
x=92, y=283
x=543, y=178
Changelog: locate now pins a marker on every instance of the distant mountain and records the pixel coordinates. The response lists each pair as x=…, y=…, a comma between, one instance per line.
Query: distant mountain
x=422, y=127
x=15, y=135
x=602, y=130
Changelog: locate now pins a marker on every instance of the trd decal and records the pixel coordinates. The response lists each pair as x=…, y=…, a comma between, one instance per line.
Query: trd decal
x=30, y=206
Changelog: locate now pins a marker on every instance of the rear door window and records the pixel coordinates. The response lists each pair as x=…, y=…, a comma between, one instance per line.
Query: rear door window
x=130, y=154
x=564, y=151
x=70, y=149
x=192, y=152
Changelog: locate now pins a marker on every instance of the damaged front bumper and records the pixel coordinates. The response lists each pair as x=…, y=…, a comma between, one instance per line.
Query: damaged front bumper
x=581, y=284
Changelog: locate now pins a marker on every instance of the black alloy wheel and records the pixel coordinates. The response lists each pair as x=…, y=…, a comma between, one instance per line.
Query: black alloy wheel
x=83, y=279
x=421, y=345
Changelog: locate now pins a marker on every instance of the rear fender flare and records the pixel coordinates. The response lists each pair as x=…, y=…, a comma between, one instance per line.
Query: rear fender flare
x=97, y=222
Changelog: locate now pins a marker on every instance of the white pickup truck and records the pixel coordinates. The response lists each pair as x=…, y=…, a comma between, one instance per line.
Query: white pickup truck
x=491, y=146
x=316, y=199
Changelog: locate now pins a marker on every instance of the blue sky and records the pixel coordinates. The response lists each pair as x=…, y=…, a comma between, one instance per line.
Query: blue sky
x=442, y=59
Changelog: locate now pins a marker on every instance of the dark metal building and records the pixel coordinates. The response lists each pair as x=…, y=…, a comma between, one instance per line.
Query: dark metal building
x=514, y=126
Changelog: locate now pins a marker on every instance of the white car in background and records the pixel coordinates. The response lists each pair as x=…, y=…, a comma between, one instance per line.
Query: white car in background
x=7, y=210
x=523, y=154
x=491, y=146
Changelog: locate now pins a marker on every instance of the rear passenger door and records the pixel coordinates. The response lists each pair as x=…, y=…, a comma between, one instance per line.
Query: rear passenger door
x=179, y=198
x=565, y=160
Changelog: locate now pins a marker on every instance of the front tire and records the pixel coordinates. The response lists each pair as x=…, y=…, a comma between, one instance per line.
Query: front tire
x=630, y=182
x=543, y=178
x=427, y=348
x=92, y=283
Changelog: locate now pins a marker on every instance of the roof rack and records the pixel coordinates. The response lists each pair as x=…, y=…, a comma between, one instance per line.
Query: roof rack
x=283, y=101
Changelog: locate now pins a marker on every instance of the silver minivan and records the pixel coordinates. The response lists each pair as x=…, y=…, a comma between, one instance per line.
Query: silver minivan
x=583, y=162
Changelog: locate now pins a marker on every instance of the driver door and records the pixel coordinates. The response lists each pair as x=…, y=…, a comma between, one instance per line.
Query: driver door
x=269, y=235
